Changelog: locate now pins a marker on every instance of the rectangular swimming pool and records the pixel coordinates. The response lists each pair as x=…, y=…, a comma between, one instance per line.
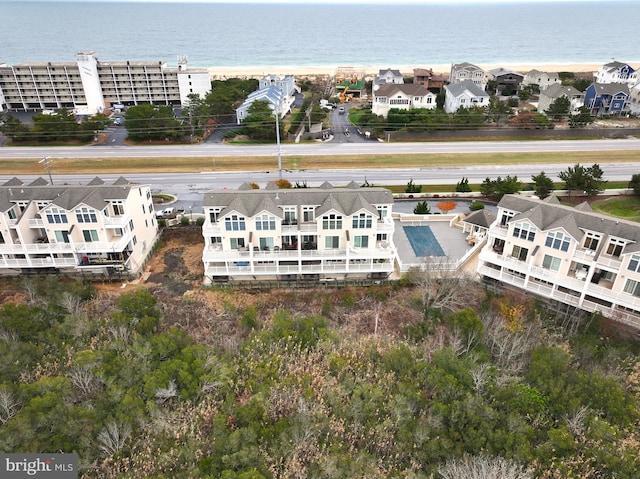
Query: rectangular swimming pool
x=423, y=241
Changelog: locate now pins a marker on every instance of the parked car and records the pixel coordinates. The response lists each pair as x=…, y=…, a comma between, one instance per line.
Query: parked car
x=166, y=213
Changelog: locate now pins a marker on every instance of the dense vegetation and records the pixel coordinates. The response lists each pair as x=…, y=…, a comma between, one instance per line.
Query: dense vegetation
x=61, y=127
x=379, y=382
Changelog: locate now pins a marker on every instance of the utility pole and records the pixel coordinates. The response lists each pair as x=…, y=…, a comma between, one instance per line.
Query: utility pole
x=278, y=143
x=47, y=166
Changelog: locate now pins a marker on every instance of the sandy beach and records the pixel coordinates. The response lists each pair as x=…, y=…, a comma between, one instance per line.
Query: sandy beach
x=221, y=73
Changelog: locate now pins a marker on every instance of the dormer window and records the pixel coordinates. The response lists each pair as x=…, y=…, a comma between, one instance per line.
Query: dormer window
x=506, y=216
x=591, y=241
x=308, y=214
x=615, y=247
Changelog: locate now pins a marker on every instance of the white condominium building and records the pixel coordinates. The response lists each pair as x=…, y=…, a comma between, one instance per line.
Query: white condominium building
x=321, y=233
x=88, y=86
x=571, y=255
x=96, y=228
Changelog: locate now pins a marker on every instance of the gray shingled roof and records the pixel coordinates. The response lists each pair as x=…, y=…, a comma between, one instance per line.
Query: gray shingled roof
x=611, y=88
x=411, y=89
x=68, y=197
x=346, y=201
x=457, y=89
x=557, y=90
x=481, y=217
x=548, y=216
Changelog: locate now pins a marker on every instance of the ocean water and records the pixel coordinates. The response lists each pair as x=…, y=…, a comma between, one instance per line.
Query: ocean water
x=213, y=35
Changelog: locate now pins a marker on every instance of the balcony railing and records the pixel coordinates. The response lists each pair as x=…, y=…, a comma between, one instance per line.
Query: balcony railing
x=277, y=269
x=116, y=221
x=48, y=262
x=37, y=248
x=213, y=253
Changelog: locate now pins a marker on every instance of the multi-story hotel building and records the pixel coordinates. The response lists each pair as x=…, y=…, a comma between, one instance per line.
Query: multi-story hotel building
x=298, y=234
x=88, y=85
x=571, y=255
x=96, y=228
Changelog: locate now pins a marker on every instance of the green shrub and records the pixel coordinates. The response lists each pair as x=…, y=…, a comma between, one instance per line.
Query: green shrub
x=200, y=221
x=185, y=221
x=476, y=205
x=422, y=208
x=463, y=186
x=412, y=187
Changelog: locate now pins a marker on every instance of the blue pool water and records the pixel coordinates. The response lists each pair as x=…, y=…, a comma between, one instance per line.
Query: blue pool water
x=422, y=240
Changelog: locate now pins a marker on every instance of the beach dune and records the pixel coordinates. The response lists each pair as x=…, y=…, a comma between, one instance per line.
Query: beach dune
x=221, y=73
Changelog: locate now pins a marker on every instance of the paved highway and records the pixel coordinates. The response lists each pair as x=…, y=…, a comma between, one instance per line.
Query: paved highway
x=308, y=149
x=190, y=187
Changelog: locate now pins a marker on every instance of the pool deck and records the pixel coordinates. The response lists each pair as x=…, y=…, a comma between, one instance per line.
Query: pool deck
x=453, y=241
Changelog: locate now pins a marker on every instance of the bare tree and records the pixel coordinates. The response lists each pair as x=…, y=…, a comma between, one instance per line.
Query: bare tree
x=480, y=377
x=71, y=302
x=443, y=285
x=9, y=405
x=113, y=437
x=84, y=379
x=164, y=394
x=509, y=349
x=577, y=422
x=483, y=467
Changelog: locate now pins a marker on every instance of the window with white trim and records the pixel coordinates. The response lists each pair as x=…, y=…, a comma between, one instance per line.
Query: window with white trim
x=361, y=241
x=86, y=215
x=615, y=247
x=237, y=243
x=213, y=214
x=290, y=216
x=90, y=236
x=558, y=240
x=62, y=236
x=632, y=287
x=520, y=253
x=506, y=216
x=56, y=216
x=361, y=221
x=551, y=262
x=524, y=231
x=332, y=222
x=634, y=264
x=265, y=223
x=591, y=241
x=118, y=208
x=234, y=223
x=266, y=243
x=383, y=211
x=308, y=213
x=331, y=242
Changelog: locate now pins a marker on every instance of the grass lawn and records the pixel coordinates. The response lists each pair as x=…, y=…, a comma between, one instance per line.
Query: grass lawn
x=30, y=166
x=627, y=207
